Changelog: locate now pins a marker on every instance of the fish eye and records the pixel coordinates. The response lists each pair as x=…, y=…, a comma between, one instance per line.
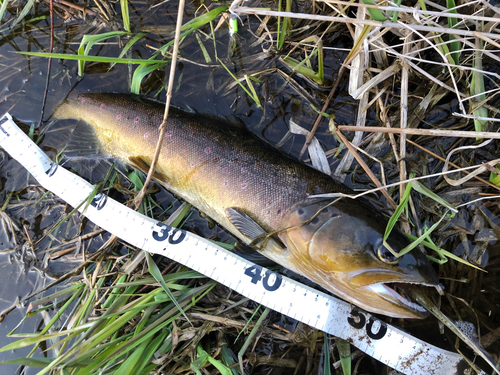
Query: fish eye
x=386, y=256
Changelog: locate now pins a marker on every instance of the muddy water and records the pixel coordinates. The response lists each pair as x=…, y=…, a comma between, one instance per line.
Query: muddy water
x=205, y=87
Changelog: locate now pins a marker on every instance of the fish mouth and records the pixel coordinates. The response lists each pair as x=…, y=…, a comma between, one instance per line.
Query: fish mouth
x=396, y=294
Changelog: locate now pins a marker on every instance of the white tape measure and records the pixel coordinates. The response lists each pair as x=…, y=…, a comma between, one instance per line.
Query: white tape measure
x=381, y=341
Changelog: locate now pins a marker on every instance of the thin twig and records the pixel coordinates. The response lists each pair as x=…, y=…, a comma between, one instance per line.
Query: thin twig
x=368, y=171
x=452, y=164
x=403, y=117
x=163, y=125
x=77, y=7
x=382, y=188
x=430, y=132
x=394, y=25
x=414, y=10
x=325, y=107
x=49, y=64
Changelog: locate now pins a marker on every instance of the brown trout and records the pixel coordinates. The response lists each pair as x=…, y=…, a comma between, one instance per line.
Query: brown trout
x=252, y=189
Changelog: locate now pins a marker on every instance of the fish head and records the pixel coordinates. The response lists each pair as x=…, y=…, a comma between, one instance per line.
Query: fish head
x=341, y=247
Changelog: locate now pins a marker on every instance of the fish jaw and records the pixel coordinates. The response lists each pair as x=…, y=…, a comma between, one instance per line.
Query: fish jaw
x=342, y=250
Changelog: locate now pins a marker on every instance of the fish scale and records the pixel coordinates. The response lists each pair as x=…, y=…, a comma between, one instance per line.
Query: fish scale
x=251, y=189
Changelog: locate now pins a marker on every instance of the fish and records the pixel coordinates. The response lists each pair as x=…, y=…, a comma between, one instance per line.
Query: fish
x=263, y=197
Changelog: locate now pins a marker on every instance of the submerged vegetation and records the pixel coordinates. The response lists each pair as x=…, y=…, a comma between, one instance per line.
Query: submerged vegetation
x=391, y=97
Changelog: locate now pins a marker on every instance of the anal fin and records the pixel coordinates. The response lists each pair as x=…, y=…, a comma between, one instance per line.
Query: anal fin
x=139, y=163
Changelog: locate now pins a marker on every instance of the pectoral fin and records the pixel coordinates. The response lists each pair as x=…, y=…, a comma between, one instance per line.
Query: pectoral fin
x=259, y=237
x=244, y=223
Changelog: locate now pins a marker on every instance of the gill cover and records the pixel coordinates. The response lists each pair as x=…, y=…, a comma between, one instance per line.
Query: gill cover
x=342, y=249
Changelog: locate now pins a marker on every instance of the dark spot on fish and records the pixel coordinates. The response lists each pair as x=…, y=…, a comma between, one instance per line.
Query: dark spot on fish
x=315, y=220
x=334, y=215
x=279, y=211
x=301, y=211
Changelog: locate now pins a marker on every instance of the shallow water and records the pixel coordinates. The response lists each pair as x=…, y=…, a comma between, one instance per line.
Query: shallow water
x=207, y=88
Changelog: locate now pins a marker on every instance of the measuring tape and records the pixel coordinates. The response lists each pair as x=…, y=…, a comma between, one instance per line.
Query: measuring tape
x=378, y=339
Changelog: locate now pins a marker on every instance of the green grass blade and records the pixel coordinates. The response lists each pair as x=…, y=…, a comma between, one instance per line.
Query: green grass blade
x=128, y=366
x=32, y=340
x=202, y=20
x=326, y=354
x=223, y=369
x=452, y=23
x=299, y=67
x=129, y=45
x=396, y=14
x=24, y=12
x=141, y=72
x=104, y=350
x=58, y=314
x=88, y=41
x=155, y=272
x=344, y=349
x=115, y=293
x=125, y=16
x=206, y=55
x=252, y=89
x=104, y=59
x=477, y=89
x=229, y=358
x=149, y=352
x=422, y=189
x=420, y=239
x=31, y=362
x=188, y=28
x=59, y=294
x=397, y=213
x=376, y=13
x=163, y=319
x=321, y=67
x=495, y=177
x=286, y=25
x=255, y=99
x=3, y=7
x=442, y=252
